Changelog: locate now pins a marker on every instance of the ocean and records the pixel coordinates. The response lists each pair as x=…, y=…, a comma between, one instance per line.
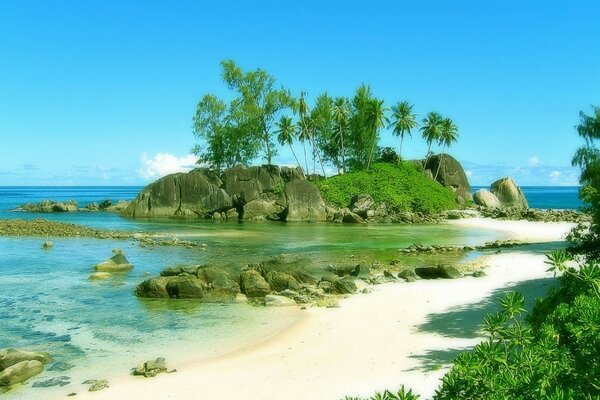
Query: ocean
x=100, y=329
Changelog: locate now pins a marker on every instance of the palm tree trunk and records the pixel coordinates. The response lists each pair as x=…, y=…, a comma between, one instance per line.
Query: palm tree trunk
x=322, y=166
x=440, y=164
x=305, y=159
x=426, y=158
x=294, y=153
x=400, y=152
x=343, y=155
x=371, y=155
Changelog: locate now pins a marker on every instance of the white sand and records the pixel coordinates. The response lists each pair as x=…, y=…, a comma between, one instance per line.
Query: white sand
x=372, y=342
x=527, y=231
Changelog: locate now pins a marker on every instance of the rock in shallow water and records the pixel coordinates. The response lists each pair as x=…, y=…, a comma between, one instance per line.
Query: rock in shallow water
x=13, y=356
x=117, y=263
x=57, y=381
x=20, y=372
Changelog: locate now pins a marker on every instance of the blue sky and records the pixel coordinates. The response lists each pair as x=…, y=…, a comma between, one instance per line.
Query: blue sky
x=103, y=92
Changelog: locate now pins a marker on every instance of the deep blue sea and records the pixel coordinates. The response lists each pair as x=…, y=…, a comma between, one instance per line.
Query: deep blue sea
x=48, y=304
x=557, y=197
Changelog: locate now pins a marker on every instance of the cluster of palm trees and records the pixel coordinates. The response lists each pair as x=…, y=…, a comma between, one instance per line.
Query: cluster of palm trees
x=338, y=129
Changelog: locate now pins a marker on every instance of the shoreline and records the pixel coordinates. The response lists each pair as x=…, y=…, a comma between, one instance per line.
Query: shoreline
x=327, y=354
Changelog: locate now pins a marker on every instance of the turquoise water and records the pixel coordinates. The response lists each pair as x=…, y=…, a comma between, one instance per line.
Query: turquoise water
x=48, y=304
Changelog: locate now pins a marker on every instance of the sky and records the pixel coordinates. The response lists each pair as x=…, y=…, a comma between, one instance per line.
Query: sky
x=103, y=92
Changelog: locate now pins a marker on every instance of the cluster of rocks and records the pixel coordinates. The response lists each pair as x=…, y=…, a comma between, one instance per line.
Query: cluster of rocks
x=503, y=193
x=53, y=206
x=17, y=366
x=151, y=241
x=279, y=281
x=265, y=192
x=534, y=214
x=45, y=228
x=497, y=244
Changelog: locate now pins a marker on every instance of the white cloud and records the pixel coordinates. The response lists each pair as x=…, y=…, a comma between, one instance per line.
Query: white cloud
x=554, y=175
x=534, y=161
x=164, y=164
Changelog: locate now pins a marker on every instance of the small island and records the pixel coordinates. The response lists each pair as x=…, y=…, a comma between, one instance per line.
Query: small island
x=320, y=238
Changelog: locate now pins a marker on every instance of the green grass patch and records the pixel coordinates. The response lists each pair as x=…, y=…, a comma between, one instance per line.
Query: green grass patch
x=403, y=187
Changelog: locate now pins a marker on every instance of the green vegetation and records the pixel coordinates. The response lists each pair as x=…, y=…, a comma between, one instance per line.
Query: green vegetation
x=402, y=187
x=587, y=158
x=401, y=394
x=553, y=355
x=338, y=131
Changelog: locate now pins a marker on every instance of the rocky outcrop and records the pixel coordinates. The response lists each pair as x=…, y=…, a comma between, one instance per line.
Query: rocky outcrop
x=485, y=198
x=438, y=272
x=191, y=282
x=49, y=206
x=117, y=263
x=17, y=366
x=451, y=175
x=152, y=368
x=509, y=194
x=245, y=193
x=304, y=202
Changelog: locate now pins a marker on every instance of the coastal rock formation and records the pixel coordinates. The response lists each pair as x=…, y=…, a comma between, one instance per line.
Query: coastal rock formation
x=48, y=206
x=509, y=194
x=438, y=272
x=17, y=366
x=191, y=282
x=246, y=193
x=451, y=175
x=485, y=198
x=117, y=263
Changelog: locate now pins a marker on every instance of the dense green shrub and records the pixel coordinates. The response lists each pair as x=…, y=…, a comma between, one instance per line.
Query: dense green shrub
x=553, y=355
x=402, y=187
x=401, y=394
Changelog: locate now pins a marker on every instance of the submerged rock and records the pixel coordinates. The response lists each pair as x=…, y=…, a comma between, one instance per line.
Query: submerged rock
x=47, y=245
x=57, y=381
x=96, y=384
x=97, y=276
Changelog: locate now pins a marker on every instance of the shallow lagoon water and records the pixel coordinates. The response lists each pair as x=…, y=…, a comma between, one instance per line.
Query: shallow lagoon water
x=48, y=304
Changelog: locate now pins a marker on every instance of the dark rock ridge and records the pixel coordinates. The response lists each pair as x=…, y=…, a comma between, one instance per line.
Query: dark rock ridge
x=451, y=175
x=53, y=206
x=245, y=193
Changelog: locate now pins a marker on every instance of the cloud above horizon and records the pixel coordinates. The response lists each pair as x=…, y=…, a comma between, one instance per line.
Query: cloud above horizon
x=162, y=164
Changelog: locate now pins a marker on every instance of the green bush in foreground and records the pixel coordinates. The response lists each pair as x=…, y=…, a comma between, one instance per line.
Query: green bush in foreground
x=403, y=187
x=402, y=394
x=554, y=355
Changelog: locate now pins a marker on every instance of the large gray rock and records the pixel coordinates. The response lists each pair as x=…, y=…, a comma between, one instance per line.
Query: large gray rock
x=509, y=194
x=260, y=209
x=13, y=356
x=245, y=184
x=153, y=288
x=485, y=198
x=304, y=202
x=20, y=372
x=361, y=204
x=253, y=284
x=197, y=194
x=438, y=272
x=186, y=287
x=451, y=175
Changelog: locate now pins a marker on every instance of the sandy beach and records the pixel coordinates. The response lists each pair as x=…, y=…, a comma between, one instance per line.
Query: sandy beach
x=401, y=333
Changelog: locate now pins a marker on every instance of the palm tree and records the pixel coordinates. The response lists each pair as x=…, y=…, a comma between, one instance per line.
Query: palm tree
x=403, y=120
x=286, y=132
x=374, y=121
x=340, y=116
x=430, y=130
x=304, y=127
x=448, y=135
